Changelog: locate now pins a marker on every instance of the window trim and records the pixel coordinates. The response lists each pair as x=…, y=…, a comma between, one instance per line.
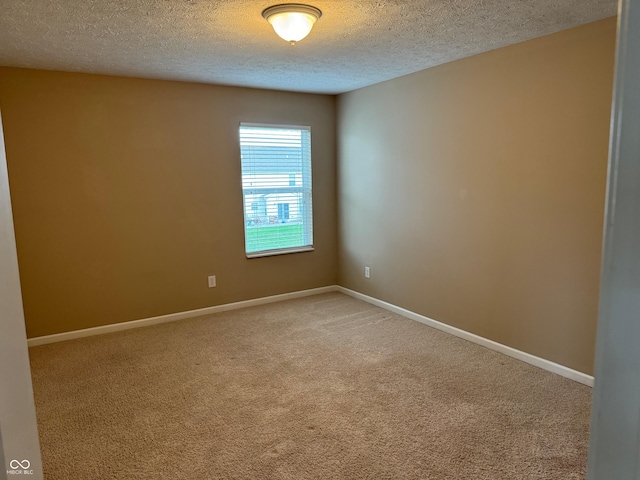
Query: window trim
x=279, y=251
x=287, y=250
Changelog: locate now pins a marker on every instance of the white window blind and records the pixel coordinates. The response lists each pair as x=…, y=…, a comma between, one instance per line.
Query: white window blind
x=276, y=186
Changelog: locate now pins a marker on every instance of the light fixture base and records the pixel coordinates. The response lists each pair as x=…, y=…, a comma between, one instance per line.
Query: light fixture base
x=291, y=7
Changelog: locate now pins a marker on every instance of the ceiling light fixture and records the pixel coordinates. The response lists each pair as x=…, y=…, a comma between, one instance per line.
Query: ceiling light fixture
x=292, y=21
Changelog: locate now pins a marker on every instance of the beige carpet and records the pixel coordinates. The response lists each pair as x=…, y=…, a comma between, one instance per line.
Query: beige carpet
x=324, y=387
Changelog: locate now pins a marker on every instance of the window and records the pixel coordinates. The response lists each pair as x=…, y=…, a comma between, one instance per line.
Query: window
x=276, y=187
x=283, y=211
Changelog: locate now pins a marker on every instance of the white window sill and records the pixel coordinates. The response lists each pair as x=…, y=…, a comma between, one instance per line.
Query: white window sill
x=280, y=251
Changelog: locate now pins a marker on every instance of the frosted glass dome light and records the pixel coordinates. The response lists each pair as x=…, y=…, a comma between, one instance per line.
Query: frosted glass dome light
x=292, y=21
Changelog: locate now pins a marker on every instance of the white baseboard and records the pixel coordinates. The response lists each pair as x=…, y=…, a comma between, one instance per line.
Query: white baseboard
x=172, y=317
x=498, y=347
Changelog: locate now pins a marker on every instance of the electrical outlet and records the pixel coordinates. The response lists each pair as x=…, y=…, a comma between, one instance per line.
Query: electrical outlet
x=212, y=281
x=367, y=272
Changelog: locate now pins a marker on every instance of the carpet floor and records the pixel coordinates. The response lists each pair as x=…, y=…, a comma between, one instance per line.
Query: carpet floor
x=322, y=387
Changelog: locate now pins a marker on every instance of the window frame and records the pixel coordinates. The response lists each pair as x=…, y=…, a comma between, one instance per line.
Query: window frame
x=303, y=190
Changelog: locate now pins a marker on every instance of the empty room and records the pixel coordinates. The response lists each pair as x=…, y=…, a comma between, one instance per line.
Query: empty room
x=337, y=240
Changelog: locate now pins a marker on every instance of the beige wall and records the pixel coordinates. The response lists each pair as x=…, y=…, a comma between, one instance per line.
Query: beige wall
x=126, y=195
x=475, y=191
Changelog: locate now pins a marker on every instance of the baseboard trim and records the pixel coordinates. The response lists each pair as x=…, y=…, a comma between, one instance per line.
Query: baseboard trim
x=498, y=347
x=172, y=317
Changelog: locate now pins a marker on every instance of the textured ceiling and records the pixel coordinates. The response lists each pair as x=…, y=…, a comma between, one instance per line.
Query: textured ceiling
x=355, y=43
